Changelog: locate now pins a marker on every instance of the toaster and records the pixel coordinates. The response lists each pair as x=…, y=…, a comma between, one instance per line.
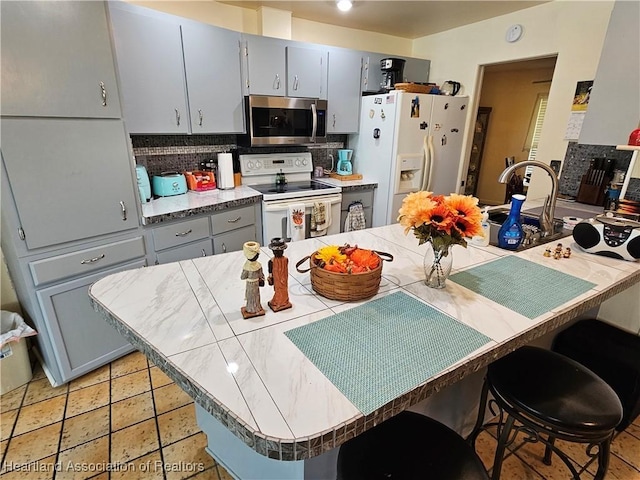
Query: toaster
x=169, y=183
x=144, y=187
x=614, y=237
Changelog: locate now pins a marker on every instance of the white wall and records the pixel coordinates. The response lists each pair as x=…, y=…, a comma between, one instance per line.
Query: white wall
x=573, y=30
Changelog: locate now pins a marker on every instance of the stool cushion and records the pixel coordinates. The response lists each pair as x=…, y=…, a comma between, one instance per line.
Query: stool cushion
x=556, y=390
x=409, y=446
x=610, y=353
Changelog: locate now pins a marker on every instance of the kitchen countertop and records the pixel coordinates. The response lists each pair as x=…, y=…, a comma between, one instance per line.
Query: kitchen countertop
x=349, y=185
x=188, y=322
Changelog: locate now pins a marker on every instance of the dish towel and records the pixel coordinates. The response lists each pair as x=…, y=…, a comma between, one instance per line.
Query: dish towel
x=296, y=222
x=355, y=218
x=320, y=218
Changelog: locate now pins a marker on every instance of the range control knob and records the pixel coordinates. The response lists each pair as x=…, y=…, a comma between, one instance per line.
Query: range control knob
x=250, y=165
x=305, y=162
x=258, y=165
x=297, y=162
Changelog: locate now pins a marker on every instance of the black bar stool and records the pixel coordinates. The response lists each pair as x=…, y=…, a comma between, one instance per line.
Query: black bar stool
x=406, y=447
x=551, y=397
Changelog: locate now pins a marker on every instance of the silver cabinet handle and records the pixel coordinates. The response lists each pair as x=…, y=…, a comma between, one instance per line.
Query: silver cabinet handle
x=182, y=234
x=177, y=117
x=204, y=254
x=103, y=92
x=92, y=260
x=276, y=82
x=235, y=220
x=334, y=120
x=200, y=117
x=296, y=82
x=124, y=211
x=224, y=248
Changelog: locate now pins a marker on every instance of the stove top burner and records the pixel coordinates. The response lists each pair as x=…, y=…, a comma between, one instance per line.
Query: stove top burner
x=291, y=187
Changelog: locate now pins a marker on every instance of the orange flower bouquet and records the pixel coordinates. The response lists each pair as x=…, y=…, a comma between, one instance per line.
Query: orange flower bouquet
x=442, y=221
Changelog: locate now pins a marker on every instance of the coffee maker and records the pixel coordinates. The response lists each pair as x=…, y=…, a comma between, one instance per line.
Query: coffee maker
x=344, y=166
x=392, y=69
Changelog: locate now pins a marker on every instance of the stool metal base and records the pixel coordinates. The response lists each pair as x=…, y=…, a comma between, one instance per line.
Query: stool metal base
x=597, y=443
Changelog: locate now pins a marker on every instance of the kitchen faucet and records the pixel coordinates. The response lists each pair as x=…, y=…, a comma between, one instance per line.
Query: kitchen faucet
x=549, y=207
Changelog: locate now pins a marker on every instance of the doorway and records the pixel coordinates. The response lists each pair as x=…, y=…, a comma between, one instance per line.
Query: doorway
x=508, y=118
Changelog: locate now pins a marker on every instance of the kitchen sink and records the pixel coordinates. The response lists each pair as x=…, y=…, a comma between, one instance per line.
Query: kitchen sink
x=531, y=227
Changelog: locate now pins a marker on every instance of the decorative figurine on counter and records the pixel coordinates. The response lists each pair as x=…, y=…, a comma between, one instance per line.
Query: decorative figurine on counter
x=252, y=273
x=279, y=276
x=557, y=254
x=547, y=252
x=567, y=253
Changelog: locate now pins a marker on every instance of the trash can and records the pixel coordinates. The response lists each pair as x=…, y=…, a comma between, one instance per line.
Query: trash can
x=15, y=368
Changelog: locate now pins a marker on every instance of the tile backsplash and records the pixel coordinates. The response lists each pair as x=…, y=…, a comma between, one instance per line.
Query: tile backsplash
x=162, y=153
x=576, y=163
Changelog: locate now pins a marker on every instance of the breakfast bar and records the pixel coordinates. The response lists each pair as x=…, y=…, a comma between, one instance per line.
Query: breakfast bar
x=269, y=405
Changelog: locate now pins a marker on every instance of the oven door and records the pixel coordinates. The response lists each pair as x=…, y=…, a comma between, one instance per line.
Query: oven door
x=275, y=214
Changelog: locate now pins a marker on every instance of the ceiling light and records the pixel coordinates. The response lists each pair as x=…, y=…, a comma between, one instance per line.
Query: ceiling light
x=344, y=5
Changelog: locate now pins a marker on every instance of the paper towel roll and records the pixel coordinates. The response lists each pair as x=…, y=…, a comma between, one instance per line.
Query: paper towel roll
x=225, y=171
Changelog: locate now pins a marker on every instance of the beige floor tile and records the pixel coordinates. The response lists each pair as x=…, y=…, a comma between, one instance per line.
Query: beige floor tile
x=102, y=476
x=634, y=430
x=39, y=390
x=187, y=457
x=130, y=385
x=170, y=397
x=148, y=467
x=84, y=461
x=223, y=474
x=12, y=400
x=40, y=414
x=7, y=421
x=85, y=427
x=133, y=362
x=131, y=410
x=37, y=372
x=135, y=441
x=40, y=470
x=34, y=445
x=159, y=378
x=99, y=375
x=486, y=449
x=533, y=453
x=627, y=447
x=514, y=468
x=87, y=399
x=210, y=474
x=619, y=470
x=3, y=447
x=177, y=424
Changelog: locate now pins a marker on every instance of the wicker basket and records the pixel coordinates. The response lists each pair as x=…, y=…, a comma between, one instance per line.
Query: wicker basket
x=344, y=286
x=414, y=87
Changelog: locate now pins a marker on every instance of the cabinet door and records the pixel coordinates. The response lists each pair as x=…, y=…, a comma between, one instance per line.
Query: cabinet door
x=202, y=248
x=266, y=66
x=71, y=179
x=304, y=71
x=234, y=240
x=57, y=60
x=416, y=70
x=83, y=340
x=371, y=73
x=151, y=69
x=212, y=63
x=343, y=111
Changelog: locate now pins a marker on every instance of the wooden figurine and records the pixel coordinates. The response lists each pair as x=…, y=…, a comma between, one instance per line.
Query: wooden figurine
x=252, y=274
x=557, y=254
x=279, y=276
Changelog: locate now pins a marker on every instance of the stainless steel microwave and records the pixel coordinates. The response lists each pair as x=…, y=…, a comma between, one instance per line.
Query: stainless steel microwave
x=285, y=121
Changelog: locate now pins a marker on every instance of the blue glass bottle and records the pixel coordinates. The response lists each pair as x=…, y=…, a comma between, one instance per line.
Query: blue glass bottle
x=511, y=234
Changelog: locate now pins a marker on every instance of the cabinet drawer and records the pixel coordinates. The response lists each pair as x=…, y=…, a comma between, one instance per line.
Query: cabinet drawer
x=180, y=233
x=186, y=252
x=86, y=261
x=233, y=241
x=232, y=219
x=363, y=196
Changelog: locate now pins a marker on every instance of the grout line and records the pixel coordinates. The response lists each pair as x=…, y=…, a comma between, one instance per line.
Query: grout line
x=109, y=439
x=155, y=417
x=64, y=414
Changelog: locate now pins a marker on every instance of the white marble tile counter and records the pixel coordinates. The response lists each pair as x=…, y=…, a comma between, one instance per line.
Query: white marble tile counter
x=193, y=203
x=248, y=376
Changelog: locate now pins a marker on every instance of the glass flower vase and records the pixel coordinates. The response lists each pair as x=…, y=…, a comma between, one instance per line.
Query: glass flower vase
x=437, y=265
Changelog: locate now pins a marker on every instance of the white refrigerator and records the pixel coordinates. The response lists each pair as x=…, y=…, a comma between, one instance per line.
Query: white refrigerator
x=408, y=142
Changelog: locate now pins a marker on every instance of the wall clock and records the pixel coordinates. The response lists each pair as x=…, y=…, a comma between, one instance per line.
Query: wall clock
x=514, y=32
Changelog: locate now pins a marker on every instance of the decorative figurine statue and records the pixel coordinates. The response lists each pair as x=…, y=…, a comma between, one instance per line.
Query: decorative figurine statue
x=252, y=273
x=567, y=252
x=557, y=254
x=279, y=276
x=547, y=252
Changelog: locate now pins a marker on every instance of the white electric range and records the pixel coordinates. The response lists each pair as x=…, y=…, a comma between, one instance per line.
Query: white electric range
x=299, y=190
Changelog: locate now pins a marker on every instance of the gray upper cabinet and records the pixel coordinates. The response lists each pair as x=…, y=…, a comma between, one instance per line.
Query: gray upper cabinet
x=371, y=73
x=71, y=179
x=151, y=70
x=343, y=95
x=39, y=78
x=305, y=67
x=212, y=63
x=266, y=66
x=614, y=106
x=416, y=70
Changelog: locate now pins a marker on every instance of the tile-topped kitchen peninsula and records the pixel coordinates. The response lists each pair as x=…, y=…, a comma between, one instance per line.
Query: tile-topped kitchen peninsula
x=266, y=408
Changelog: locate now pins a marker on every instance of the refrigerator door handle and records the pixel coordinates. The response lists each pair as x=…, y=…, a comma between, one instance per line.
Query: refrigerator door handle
x=427, y=145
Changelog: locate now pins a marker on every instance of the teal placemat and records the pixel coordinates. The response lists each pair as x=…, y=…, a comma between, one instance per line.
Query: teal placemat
x=377, y=351
x=522, y=286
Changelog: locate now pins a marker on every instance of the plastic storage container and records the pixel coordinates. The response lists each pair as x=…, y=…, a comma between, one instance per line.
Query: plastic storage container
x=15, y=368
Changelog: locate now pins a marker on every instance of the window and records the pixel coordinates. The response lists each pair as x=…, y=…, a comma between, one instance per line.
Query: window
x=535, y=128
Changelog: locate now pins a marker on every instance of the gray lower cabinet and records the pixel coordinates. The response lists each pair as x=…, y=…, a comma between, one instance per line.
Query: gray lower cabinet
x=363, y=196
x=83, y=339
x=57, y=60
x=234, y=240
x=201, y=248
